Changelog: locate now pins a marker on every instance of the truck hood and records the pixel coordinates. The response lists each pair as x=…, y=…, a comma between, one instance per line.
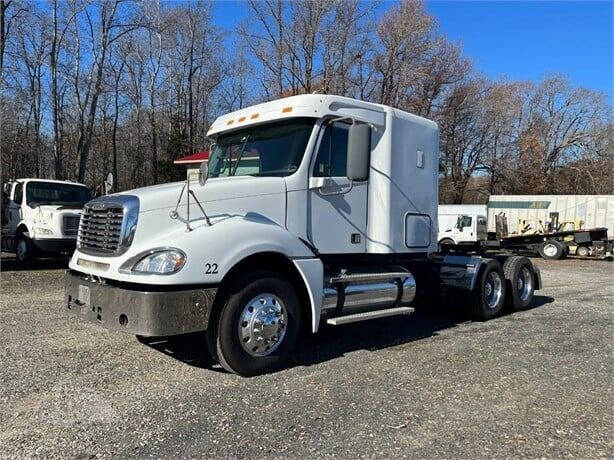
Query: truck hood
x=165, y=196
x=45, y=213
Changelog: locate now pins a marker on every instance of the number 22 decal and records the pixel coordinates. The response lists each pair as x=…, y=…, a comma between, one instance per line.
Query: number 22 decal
x=210, y=269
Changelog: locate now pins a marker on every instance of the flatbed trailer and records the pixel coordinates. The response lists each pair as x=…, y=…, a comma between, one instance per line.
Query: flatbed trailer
x=587, y=242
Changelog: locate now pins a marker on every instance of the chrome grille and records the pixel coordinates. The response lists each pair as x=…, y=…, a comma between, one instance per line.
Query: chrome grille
x=70, y=225
x=100, y=229
x=108, y=225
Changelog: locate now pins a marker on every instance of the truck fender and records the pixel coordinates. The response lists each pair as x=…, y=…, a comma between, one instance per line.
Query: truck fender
x=460, y=271
x=312, y=273
x=23, y=228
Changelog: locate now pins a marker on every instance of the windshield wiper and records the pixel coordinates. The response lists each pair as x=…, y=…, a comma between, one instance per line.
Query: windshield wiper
x=234, y=171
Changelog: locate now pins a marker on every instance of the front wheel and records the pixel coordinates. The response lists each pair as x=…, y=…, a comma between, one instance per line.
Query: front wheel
x=259, y=326
x=445, y=244
x=23, y=249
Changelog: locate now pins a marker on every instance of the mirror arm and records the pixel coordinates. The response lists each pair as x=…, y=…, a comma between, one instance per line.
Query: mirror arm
x=207, y=221
x=174, y=214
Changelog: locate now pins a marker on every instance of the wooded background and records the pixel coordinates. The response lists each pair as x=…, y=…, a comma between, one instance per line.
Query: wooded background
x=92, y=87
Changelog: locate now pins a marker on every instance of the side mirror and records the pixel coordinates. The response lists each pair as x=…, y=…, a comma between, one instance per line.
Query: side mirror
x=108, y=183
x=203, y=173
x=359, y=152
x=6, y=188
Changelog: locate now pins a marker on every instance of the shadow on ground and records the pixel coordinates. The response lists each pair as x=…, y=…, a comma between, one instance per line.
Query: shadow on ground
x=333, y=342
x=11, y=264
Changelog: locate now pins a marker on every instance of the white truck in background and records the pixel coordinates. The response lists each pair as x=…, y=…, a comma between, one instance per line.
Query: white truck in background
x=312, y=209
x=40, y=217
x=462, y=224
x=551, y=226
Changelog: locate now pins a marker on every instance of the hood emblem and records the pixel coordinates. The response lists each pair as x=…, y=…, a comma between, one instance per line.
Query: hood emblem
x=98, y=206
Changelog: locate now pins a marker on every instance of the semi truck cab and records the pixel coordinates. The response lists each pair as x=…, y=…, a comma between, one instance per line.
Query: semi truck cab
x=312, y=209
x=41, y=217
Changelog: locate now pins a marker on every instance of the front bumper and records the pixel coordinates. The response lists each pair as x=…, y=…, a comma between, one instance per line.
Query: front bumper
x=55, y=245
x=148, y=313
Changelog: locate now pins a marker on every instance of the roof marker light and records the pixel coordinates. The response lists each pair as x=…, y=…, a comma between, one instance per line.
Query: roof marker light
x=254, y=116
x=230, y=122
x=286, y=110
x=241, y=119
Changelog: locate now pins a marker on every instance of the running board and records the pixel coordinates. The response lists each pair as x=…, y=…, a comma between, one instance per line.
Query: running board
x=337, y=321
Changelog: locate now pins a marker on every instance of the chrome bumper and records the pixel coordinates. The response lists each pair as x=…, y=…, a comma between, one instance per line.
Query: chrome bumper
x=147, y=313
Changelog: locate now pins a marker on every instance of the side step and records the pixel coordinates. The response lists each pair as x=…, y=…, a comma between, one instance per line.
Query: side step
x=369, y=315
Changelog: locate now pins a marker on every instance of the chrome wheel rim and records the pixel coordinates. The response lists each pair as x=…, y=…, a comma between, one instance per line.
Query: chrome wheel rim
x=493, y=290
x=21, y=250
x=550, y=250
x=262, y=325
x=525, y=284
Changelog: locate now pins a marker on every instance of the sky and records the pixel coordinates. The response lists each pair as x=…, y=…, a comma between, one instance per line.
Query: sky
x=516, y=39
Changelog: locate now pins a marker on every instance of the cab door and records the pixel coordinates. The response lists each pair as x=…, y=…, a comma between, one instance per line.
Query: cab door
x=336, y=207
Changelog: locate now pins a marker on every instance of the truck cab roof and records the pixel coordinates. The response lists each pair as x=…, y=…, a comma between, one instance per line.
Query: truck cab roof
x=312, y=106
x=54, y=181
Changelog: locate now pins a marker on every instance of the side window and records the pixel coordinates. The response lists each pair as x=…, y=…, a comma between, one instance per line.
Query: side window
x=331, y=160
x=18, y=195
x=463, y=221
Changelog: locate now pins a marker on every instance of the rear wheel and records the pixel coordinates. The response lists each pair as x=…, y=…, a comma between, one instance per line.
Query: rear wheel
x=551, y=250
x=488, y=297
x=583, y=251
x=258, y=326
x=520, y=279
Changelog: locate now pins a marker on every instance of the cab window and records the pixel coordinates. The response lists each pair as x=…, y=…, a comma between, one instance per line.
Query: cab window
x=331, y=160
x=464, y=221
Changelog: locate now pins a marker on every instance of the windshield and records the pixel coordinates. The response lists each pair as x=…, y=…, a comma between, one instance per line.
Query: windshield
x=275, y=149
x=41, y=193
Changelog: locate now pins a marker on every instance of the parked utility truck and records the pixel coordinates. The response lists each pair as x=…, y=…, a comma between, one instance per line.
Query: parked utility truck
x=312, y=209
x=462, y=224
x=40, y=217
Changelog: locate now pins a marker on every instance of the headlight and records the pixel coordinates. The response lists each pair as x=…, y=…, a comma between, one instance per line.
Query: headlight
x=43, y=231
x=161, y=262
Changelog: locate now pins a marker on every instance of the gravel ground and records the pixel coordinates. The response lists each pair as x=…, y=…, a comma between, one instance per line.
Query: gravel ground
x=537, y=383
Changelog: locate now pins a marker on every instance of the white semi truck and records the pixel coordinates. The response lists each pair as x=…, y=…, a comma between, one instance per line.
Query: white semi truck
x=41, y=217
x=312, y=209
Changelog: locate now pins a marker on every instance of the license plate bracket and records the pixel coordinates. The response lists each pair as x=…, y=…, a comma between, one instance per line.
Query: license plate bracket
x=84, y=295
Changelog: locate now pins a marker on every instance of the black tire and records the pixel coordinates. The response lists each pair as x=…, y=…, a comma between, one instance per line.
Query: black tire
x=583, y=251
x=520, y=281
x=552, y=250
x=445, y=241
x=24, y=249
x=480, y=308
x=231, y=352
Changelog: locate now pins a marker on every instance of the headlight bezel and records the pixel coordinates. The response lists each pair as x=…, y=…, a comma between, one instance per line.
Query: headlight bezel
x=128, y=267
x=43, y=231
